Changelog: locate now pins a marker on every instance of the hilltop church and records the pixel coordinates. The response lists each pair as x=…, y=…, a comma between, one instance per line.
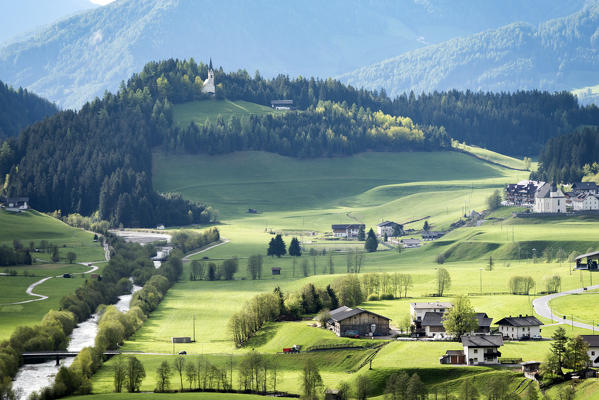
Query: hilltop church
x=209, y=86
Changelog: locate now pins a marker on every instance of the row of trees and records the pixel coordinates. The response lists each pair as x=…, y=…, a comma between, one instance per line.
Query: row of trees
x=210, y=271
x=186, y=240
x=521, y=284
x=386, y=285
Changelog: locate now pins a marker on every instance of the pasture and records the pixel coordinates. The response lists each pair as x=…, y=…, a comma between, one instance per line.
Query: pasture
x=33, y=226
x=199, y=112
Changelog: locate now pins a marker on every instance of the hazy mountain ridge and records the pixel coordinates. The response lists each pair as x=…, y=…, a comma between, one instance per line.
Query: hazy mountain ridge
x=80, y=57
x=558, y=54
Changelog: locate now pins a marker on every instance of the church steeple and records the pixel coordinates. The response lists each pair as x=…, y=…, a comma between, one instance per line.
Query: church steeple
x=210, y=65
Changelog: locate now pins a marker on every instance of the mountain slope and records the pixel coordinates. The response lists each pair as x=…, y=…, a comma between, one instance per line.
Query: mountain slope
x=79, y=58
x=19, y=108
x=558, y=54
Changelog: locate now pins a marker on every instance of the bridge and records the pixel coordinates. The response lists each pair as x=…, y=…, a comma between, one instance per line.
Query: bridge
x=31, y=357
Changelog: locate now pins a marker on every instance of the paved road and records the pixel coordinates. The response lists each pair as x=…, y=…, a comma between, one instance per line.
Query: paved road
x=224, y=241
x=541, y=306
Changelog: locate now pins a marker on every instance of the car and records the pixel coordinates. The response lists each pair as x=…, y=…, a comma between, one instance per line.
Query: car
x=536, y=337
x=182, y=353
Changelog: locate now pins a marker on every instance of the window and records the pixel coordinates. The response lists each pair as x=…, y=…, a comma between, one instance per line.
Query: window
x=475, y=351
x=592, y=353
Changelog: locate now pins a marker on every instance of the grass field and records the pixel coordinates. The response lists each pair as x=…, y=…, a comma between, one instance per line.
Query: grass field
x=578, y=305
x=201, y=111
x=169, y=396
x=491, y=156
x=303, y=198
x=32, y=226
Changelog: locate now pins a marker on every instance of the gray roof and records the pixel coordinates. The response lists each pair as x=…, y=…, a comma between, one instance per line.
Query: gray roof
x=592, y=340
x=584, y=186
x=342, y=313
x=387, y=223
x=411, y=240
x=17, y=199
x=526, y=320
x=436, y=319
x=348, y=226
x=594, y=253
x=282, y=102
x=482, y=340
x=454, y=352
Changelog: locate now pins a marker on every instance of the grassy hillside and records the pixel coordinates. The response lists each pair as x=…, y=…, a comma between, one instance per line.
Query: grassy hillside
x=32, y=226
x=493, y=157
x=273, y=183
x=202, y=111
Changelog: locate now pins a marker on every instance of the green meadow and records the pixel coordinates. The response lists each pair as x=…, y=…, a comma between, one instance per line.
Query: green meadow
x=208, y=110
x=578, y=305
x=33, y=226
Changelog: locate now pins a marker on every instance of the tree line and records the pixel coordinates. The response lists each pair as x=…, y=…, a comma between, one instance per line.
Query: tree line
x=386, y=286
x=325, y=130
x=567, y=158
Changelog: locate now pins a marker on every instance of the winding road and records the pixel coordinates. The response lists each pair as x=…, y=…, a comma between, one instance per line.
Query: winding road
x=541, y=307
x=41, y=297
x=224, y=241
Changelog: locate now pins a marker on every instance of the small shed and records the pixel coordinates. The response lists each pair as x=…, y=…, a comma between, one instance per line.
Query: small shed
x=181, y=339
x=276, y=270
x=590, y=261
x=454, y=357
x=331, y=394
x=530, y=368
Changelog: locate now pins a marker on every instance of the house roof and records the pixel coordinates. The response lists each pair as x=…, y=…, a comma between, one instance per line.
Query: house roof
x=580, y=257
x=412, y=240
x=591, y=340
x=17, y=199
x=547, y=190
x=387, y=223
x=282, y=102
x=526, y=320
x=348, y=226
x=454, y=352
x=342, y=313
x=433, y=234
x=482, y=340
x=432, y=304
x=584, y=186
x=276, y=268
x=436, y=319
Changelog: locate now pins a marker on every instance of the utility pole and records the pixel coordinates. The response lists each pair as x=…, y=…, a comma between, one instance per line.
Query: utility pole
x=194, y=328
x=481, y=281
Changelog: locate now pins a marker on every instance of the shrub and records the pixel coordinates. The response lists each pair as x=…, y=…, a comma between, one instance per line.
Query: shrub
x=387, y=296
x=373, y=297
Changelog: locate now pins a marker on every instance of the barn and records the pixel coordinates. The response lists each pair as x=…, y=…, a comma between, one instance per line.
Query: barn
x=347, y=321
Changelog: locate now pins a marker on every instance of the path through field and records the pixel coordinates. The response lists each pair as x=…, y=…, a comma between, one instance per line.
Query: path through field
x=541, y=307
x=224, y=241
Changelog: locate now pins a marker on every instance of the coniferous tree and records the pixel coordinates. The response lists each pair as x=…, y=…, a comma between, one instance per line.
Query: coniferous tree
x=294, y=248
x=371, y=243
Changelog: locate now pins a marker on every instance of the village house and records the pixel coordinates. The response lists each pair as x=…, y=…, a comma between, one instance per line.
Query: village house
x=16, y=204
x=593, y=342
x=418, y=310
x=520, y=327
x=348, y=231
x=549, y=199
x=482, y=349
x=209, y=84
x=585, y=188
x=432, y=325
x=351, y=322
x=590, y=261
x=390, y=228
x=585, y=202
x=522, y=193
x=410, y=243
x=432, y=235
x=282, y=104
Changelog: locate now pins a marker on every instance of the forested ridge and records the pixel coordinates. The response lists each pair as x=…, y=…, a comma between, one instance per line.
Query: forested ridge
x=567, y=158
x=99, y=158
x=20, y=108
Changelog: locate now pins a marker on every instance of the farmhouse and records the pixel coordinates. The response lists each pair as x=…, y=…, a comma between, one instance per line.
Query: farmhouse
x=282, y=104
x=418, y=310
x=482, y=349
x=348, y=231
x=17, y=204
x=390, y=228
x=549, y=199
x=432, y=235
x=522, y=193
x=584, y=202
x=590, y=261
x=520, y=327
x=346, y=321
x=432, y=324
x=585, y=188
x=593, y=342
x=410, y=243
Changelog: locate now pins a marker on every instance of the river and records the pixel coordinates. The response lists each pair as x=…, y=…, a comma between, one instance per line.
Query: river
x=34, y=377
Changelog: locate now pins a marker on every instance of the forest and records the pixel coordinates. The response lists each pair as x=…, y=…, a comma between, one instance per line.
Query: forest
x=563, y=159
x=20, y=108
x=99, y=158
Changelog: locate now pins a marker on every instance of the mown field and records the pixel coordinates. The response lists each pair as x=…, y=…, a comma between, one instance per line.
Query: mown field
x=304, y=197
x=34, y=227
x=209, y=110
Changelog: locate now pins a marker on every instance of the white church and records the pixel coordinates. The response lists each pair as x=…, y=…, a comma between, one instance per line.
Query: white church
x=209, y=86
